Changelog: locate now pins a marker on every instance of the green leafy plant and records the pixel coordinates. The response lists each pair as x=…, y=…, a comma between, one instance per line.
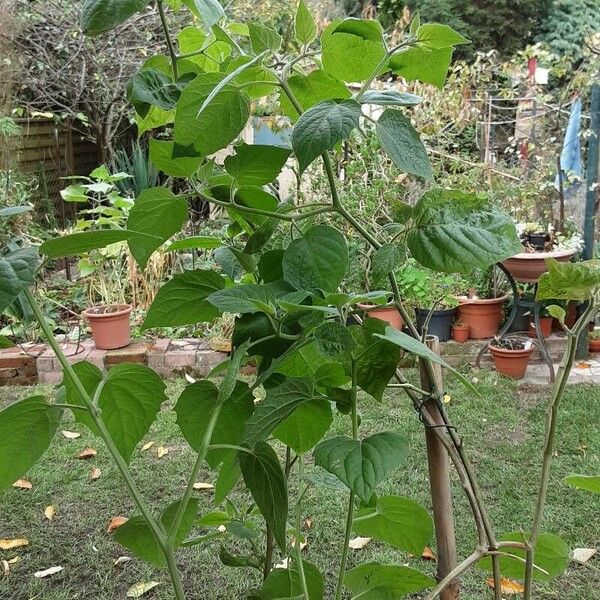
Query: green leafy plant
x=291, y=317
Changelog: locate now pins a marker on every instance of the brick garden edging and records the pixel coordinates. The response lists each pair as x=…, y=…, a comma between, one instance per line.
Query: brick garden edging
x=36, y=363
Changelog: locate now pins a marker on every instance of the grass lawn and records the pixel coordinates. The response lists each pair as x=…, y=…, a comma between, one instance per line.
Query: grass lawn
x=502, y=432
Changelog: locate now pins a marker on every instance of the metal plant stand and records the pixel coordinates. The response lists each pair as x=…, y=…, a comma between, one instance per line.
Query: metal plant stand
x=539, y=342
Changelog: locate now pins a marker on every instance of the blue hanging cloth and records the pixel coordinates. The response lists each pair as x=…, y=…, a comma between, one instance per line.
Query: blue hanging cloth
x=570, y=158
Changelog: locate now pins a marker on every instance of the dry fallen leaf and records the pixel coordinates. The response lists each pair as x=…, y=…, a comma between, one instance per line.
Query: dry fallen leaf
x=582, y=555
x=507, y=586
x=583, y=365
x=5, y=568
x=428, y=554
x=358, y=543
x=139, y=589
x=121, y=560
x=70, y=435
x=47, y=572
x=14, y=560
x=303, y=543
x=23, y=484
x=200, y=485
x=447, y=398
x=189, y=378
x=95, y=473
x=10, y=544
x=283, y=564
x=116, y=522
x=147, y=446
x=308, y=523
x=221, y=529
x=49, y=512
x=87, y=454
x=161, y=451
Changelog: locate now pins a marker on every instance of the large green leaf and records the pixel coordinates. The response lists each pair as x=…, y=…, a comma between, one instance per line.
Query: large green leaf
x=17, y=272
x=352, y=49
x=334, y=341
x=151, y=87
x=589, y=483
x=203, y=242
x=306, y=426
x=305, y=28
x=278, y=405
x=311, y=89
x=390, y=98
x=317, y=260
x=400, y=522
x=362, y=465
x=435, y=36
x=551, y=557
x=456, y=231
x=321, y=127
x=242, y=299
x=400, y=140
x=387, y=259
x=374, y=581
x=286, y=583
x=137, y=536
x=422, y=64
x=98, y=16
x=182, y=300
x=161, y=154
x=264, y=478
x=90, y=376
x=209, y=12
x=263, y=38
x=195, y=406
x=219, y=123
x=26, y=430
x=156, y=212
x=569, y=281
x=377, y=359
x=256, y=164
x=80, y=243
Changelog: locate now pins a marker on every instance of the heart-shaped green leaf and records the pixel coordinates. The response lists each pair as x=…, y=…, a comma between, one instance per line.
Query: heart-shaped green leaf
x=287, y=584
x=569, y=281
x=17, y=271
x=98, y=16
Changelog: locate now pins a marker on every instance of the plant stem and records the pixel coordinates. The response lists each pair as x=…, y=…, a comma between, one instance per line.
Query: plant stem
x=460, y=568
x=297, y=543
x=155, y=525
x=350, y=515
x=558, y=390
x=165, y=26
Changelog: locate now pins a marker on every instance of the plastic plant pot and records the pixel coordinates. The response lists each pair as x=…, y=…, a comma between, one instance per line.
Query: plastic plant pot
x=512, y=363
x=110, y=325
x=440, y=324
x=483, y=316
x=460, y=333
x=389, y=314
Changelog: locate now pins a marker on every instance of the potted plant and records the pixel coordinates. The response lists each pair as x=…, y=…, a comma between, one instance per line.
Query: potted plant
x=110, y=325
x=386, y=312
x=481, y=308
x=511, y=356
x=460, y=332
x=546, y=322
x=594, y=340
x=431, y=294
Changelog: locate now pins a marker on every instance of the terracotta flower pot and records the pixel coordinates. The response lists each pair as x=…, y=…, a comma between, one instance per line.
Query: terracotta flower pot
x=594, y=345
x=545, y=327
x=528, y=266
x=482, y=316
x=512, y=363
x=110, y=325
x=460, y=333
x=389, y=314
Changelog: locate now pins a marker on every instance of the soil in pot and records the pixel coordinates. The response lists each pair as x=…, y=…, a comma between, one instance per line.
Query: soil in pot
x=545, y=327
x=482, y=316
x=440, y=324
x=110, y=325
x=511, y=356
x=460, y=333
x=389, y=314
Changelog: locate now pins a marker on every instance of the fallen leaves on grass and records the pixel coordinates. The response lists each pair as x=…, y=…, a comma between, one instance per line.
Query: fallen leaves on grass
x=121, y=560
x=147, y=446
x=201, y=485
x=23, y=484
x=161, y=451
x=5, y=568
x=582, y=555
x=116, y=522
x=47, y=572
x=308, y=523
x=139, y=589
x=95, y=474
x=70, y=435
x=583, y=365
x=87, y=453
x=507, y=586
x=11, y=544
x=428, y=554
x=358, y=543
x=49, y=512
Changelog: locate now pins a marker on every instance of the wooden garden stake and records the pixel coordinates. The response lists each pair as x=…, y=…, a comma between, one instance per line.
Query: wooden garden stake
x=439, y=481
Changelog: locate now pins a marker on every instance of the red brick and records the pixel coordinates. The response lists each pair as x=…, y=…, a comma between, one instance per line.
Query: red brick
x=12, y=359
x=45, y=363
x=7, y=373
x=185, y=358
x=97, y=357
x=22, y=380
x=52, y=377
x=30, y=371
x=160, y=346
x=134, y=353
x=156, y=360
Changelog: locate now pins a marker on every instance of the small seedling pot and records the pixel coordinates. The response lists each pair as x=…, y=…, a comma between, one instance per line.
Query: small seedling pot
x=460, y=333
x=512, y=363
x=440, y=324
x=110, y=325
x=545, y=327
x=538, y=240
x=389, y=314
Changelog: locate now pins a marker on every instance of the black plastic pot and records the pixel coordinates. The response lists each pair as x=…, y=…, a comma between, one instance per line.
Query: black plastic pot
x=538, y=240
x=440, y=324
x=525, y=310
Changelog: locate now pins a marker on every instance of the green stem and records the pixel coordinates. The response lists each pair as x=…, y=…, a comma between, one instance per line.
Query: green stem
x=155, y=526
x=297, y=544
x=350, y=515
x=165, y=26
